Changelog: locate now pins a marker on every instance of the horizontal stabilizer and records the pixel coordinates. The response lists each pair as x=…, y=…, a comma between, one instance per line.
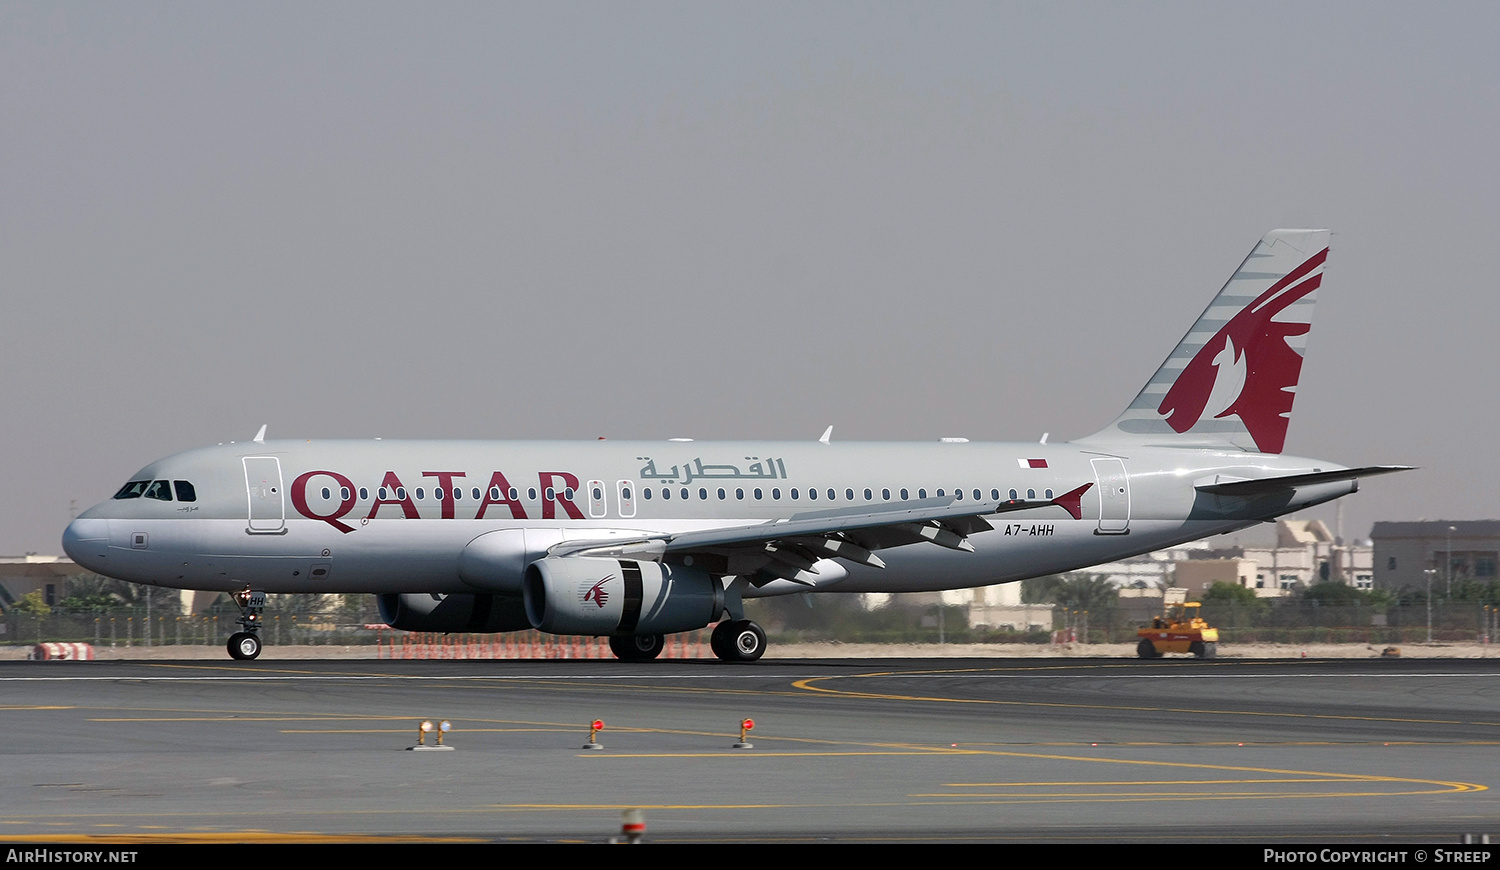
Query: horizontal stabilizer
x=1269, y=485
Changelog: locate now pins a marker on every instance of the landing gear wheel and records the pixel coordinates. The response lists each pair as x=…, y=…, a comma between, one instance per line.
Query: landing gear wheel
x=244, y=646
x=1146, y=650
x=637, y=648
x=746, y=641
x=720, y=641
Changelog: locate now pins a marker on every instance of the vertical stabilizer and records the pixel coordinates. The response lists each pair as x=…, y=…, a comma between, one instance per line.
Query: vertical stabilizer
x=1232, y=379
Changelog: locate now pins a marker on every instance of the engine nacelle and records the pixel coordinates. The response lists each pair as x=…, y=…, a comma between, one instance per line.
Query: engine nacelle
x=583, y=595
x=432, y=612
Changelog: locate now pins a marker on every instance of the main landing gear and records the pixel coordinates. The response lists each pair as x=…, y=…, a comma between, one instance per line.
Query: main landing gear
x=738, y=640
x=733, y=640
x=245, y=645
x=637, y=648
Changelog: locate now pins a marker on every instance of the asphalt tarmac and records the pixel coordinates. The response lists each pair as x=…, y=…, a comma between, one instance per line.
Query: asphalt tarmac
x=925, y=750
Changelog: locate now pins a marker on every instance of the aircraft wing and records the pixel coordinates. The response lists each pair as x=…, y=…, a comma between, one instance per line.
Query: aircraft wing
x=1272, y=485
x=788, y=548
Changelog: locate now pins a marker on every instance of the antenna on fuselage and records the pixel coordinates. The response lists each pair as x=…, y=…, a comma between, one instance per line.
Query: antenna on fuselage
x=827, y=433
x=260, y=437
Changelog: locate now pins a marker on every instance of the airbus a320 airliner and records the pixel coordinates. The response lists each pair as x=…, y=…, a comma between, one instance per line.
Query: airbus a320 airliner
x=636, y=540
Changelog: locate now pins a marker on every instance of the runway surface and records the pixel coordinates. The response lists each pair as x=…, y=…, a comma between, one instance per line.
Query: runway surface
x=909, y=750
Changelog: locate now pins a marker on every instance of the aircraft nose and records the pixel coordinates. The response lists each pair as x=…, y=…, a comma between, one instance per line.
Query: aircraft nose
x=86, y=541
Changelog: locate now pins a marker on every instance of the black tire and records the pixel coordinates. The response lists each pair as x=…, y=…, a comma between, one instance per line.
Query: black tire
x=720, y=642
x=637, y=647
x=1146, y=649
x=747, y=642
x=244, y=646
x=1197, y=649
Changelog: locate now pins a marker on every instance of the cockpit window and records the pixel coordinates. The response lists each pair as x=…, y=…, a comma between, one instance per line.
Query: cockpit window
x=159, y=490
x=185, y=491
x=133, y=489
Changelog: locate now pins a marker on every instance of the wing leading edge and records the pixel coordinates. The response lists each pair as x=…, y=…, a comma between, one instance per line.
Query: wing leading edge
x=789, y=548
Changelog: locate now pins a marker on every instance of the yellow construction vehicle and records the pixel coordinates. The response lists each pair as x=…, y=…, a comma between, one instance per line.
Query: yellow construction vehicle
x=1179, y=630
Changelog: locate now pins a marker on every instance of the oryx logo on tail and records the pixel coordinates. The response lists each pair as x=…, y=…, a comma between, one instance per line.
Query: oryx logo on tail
x=1231, y=380
x=1248, y=369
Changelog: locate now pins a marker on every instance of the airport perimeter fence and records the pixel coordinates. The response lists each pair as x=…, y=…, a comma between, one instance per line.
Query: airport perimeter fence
x=134, y=627
x=1293, y=622
x=1302, y=622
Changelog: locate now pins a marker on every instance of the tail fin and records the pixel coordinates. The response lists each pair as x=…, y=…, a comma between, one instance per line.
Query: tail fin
x=1232, y=378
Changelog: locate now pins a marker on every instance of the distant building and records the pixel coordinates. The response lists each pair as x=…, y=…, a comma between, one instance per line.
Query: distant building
x=1198, y=575
x=1000, y=607
x=1451, y=549
x=1305, y=553
x=1150, y=570
x=23, y=575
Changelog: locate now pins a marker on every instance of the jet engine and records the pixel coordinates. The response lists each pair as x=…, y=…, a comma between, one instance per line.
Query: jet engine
x=434, y=612
x=584, y=595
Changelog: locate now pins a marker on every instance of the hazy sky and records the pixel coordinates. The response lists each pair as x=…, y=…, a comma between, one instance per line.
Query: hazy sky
x=566, y=220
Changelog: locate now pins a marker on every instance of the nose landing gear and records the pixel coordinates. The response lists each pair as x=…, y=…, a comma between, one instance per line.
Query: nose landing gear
x=246, y=645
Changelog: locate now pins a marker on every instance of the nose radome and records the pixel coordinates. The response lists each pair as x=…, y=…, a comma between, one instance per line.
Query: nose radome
x=86, y=541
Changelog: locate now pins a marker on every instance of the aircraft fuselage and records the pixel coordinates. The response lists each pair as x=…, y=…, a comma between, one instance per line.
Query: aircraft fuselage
x=397, y=516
